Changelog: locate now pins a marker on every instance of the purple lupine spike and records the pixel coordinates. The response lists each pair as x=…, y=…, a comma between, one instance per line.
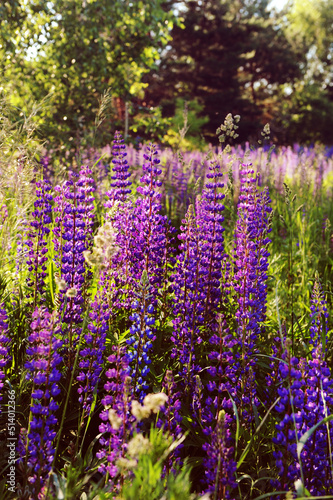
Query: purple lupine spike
x=141, y=236
x=117, y=421
x=187, y=307
x=250, y=275
x=141, y=340
x=118, y=273
x=224, y=371
x=91, y=356
x=305, y=389
x=231, y=371
x=4, y=347
x=148, y=229
x=251, y=256
x=197, y=277
x=73, y=212
x=72, y=270
x=224, y=381
x=85, y=190
x=37, y=450
x=220, y=466
x=37, y=241
x=170, y=418
x=212, y=235
x=149, y=223
x=120, y=185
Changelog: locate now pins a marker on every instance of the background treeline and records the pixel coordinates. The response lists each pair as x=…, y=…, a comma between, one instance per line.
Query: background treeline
x=152, y=59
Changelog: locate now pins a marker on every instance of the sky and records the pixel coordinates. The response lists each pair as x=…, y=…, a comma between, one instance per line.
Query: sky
x=278, y=4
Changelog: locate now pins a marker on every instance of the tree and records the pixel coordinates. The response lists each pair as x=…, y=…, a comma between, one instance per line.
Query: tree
x=306, y=116
x=75, y=50
x=232, y=55
x=310, y=26
x=305, y=113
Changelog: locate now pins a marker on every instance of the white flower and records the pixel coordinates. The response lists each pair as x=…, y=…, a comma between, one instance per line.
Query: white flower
x=155, y=401
x=138, y=446
x=71, y=292
x=139, y=412
x=114, y=420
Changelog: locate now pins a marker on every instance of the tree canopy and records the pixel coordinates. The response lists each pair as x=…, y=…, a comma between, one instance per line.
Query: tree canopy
x=75, y=50
x=232, y=56
x=147, y=57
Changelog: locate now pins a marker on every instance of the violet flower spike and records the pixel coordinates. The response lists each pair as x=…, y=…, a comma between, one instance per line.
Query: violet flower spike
x=37, y=450
x=91, y=355
x=5, y=341
x=117, y=422
x=37, y=241
x=120, y=183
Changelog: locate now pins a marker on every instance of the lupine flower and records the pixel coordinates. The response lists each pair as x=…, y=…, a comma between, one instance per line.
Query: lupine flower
x=120, y=185
x=116, y=274
x=305, y=392
x=220, y=466
x=71, y=241
x=141, y=340
x=188, y=309
x=231, y=371
x=197, y=277
x=4, y=347
x=224, y=380
x=42, y=369
x=141, y=237
x=37, y=240
x=117, y=423
x=251, y=257
x=250, y=276
x=211, y=234
x=148, y=224
x=91, y=355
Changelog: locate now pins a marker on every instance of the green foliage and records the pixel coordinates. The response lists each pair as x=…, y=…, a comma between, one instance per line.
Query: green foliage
x=310, y=24
x=217, y=55
x=74, y=51
x=306, y=116
x=186, y=126
x=149, y=122
x=147, y=482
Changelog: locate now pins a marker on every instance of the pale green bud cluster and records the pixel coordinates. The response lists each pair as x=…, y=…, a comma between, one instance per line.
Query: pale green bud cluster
x=152, y=403
x=228, y=128
x=104, y=246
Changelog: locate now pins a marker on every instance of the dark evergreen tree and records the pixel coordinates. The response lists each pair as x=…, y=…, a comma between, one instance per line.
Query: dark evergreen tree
x=231, y=55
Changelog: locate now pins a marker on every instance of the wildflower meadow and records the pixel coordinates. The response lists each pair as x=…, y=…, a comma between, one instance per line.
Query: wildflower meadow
x=166, y=321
